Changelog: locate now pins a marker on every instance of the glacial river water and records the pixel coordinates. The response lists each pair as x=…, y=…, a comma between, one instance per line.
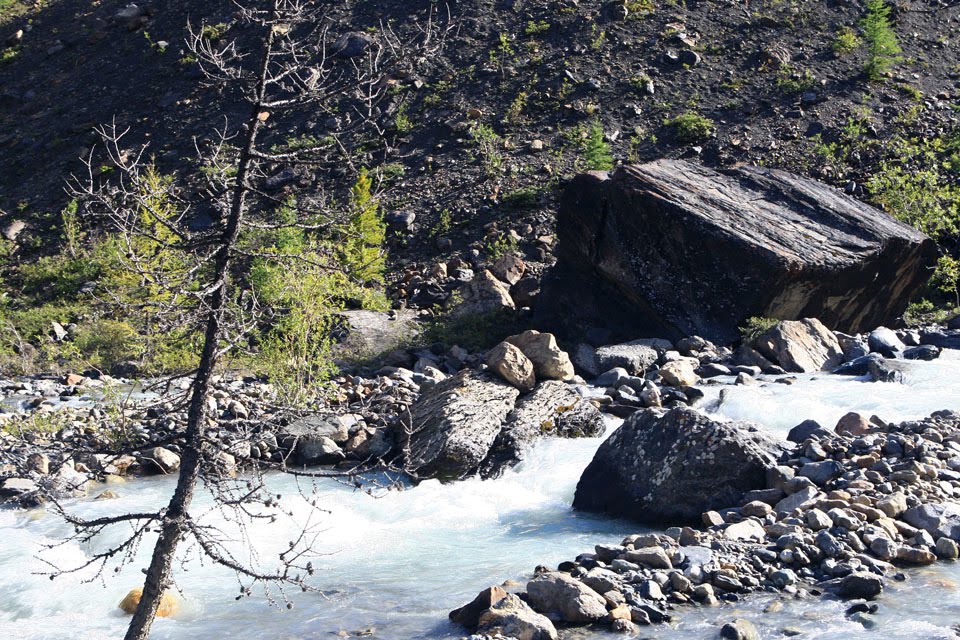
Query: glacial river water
x=394, y=565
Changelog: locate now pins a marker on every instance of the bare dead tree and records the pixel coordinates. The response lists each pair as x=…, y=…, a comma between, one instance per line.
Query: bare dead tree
x=285, y=61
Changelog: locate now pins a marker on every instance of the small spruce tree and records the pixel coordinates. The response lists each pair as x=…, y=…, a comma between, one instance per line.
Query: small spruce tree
x=363, y=250
x=596, y=151
x=883, y=49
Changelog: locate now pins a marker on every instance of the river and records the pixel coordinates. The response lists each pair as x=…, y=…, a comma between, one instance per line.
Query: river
x=392, y=566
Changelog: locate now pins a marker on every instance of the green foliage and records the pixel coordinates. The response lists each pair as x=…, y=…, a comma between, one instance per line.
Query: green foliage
x=947, y=277
x=500, y=244
x=214, y=32
x=444, y=223
x=514, y=114
x=792, y=81
x=596, y=151
x=104, y=342
x=691, y=126
x=522, y=198
x=39, y=422
x=883, y=49
x=8, y=54
x=476, y=331
x=490, y=147
x=756, y=326
x=402, y=121
x=536, y=27
x=72, y=235
x=502, y=54
x=363, y=250
x=846, y=41
x=637, y=9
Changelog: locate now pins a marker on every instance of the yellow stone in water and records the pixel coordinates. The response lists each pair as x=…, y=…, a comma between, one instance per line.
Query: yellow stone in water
x=168, y=604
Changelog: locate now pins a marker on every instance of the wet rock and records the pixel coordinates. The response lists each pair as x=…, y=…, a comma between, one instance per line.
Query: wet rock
x=947, y=549
x=169, y=605
x=801, y=346
x=806, y=430
x=923, y=352
x=558, y=593
x=860, y=584
x=454, y=424
x=635, y=357
x=679, y=373
x=781, y=246
x=885, y=342
x=16, y=487
x=672, y=467
x=854, y=424
x=739, y=629
x=553, y=408
x=512, y=365
x=469, y=614
x=511, y=617
x=160, y=460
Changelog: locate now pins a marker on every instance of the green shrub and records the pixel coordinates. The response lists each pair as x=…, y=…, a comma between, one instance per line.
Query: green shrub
x=363, y=249
x=691, y=126
x=596, y=151
x=490, y=146
x=756, y=326
x=103, y=343
x=846, y=41
x=883, y=49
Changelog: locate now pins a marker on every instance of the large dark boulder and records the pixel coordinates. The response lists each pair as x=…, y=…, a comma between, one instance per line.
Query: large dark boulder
x=670, y=468
x=673, y=249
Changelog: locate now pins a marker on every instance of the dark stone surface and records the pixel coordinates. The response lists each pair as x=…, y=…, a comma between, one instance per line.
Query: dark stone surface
x=670, y=468
x=674, y=249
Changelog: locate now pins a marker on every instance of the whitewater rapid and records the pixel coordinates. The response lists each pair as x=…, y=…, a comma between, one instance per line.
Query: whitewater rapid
x=394, y=565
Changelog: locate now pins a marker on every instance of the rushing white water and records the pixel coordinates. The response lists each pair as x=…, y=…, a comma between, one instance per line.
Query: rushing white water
x=400, y=562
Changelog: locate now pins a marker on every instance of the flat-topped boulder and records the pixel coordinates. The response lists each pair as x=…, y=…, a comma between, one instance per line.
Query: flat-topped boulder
x=671, y=248
x=671, y=467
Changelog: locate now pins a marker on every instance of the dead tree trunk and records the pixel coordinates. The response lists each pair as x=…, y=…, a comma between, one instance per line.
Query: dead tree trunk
x=175, y=517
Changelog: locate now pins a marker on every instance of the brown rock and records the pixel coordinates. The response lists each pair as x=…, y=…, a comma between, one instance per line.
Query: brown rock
x=549, y=361
x=469, y=614
x=801, y=345
x=168, y=604
x=853, y=423
x=512, y=365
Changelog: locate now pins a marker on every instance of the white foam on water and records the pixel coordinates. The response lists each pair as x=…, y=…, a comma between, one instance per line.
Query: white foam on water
x=400, y=562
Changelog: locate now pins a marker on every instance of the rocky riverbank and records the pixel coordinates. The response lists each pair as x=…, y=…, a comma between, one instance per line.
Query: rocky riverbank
x=838, y=514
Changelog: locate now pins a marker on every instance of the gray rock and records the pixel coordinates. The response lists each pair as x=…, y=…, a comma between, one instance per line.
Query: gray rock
x=923, y=352
x=739, y=629
x=636, y=357
x=672, y=467
x=351, y=45
x=860, y=584
x=801, y=346
x=160, y=460
x=552, y=408
x=796, y=500
x=806, y=430
x=939, y=520
x=560, y=594
x=454, y=424
x=511, y=617
x=469, y=614
x=885, y=342
x=821, y=472
x=16, y=487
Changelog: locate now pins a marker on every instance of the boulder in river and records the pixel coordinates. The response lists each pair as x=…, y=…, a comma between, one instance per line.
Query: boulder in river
x=802, y=346
x=670, y=468
x=674, y=249
x=455, y=422
x=511, y=617
x=561, y=595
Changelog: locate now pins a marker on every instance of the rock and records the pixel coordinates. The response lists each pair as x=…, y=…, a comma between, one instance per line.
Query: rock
x=854, y=424
x=16, y=487
x=511, y=617
x=806, y=430
x=585, y=360
x=923, y=352
x=746, y=530
x=756, y=509
x=801, y=346
x=558, y=593
x=14, y=229
x=630, y=253
x=653, y=557
x=360, y=333
x=160, y=460
x=508, y=268
x=881, y=370
x=549, y=361
x=514, y=367
x=455, y=422
x=469, y=614
x=947, y=549
x=858, y=366
x=351, y=45
x=796, y=500
x=739, y=629
x=482, y=296
x=893, y=505
x=670, y=468
x=860, y=584
x=679, y=373
x=315, y=439
x=885, y=342
x=168, y=603
x=939, y=520
x=821, y=472
x=553, y=408
x=635, y=357
x=237, y=410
